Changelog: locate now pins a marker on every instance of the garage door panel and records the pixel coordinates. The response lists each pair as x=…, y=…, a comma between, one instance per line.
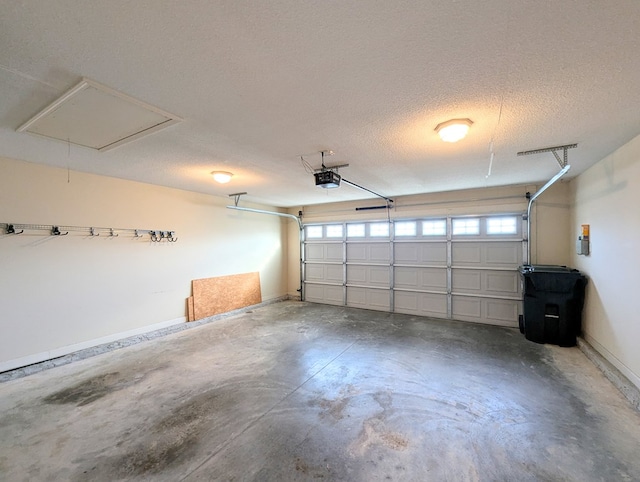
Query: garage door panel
x=422, y=304
x=314, y=272
x=466, y=253
x=329, y=273
x=420, y=253
x=331, y=295
x=406, y=253
x=333, y=273
x=334, y=252
x=379, y=253
x=433, y=305
x=379, y=276
x=502, y=310
x=507, y=254
x=486, y=310
x=368, y=275
x=314, y=252
x=323, y=252
x=503, y=282
x=368, y=298
x=466, y=280
x=485, y=282
x=356, y=252
x=357, y=275
x=368, y=252
x=406, y=277
x=466, y=308
x=420, y=278
x=504, y=254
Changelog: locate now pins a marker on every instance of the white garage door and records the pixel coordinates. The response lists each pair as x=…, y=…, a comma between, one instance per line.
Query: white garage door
x=462, y=268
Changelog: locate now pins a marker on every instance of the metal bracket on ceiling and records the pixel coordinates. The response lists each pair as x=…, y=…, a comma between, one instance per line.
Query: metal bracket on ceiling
x=329, y=168
x=236, y=197
x=554, y=150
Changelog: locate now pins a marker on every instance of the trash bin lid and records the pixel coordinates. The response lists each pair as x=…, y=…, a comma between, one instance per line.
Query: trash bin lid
x=545, y=268
x=552, y=279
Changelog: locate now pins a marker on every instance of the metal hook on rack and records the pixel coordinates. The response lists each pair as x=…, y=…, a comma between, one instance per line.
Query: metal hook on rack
x=12, y=230
x=92, y=231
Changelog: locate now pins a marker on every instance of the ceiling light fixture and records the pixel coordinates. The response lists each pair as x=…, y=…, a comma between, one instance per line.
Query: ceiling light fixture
x=222, y=177
x=453, y=130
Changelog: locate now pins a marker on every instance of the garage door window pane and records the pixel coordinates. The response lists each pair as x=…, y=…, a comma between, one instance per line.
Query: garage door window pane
x=502, y=225
x=379, y=229
x=406, y=228
x=355, y=230
x=434, y=228
x=466, y=226
x=314, y=232
x=334, y=231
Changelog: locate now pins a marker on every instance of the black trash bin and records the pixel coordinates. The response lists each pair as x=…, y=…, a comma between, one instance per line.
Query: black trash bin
x=553, y=300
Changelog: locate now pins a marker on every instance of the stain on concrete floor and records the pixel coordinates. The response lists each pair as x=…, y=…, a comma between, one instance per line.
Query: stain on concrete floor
x=168, y=442
x=98, y=386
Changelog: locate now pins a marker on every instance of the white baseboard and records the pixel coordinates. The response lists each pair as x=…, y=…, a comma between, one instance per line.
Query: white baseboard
x=611, y=358
x=66, y=350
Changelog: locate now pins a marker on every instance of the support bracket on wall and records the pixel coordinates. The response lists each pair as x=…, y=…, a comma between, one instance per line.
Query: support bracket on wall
x=236, y=197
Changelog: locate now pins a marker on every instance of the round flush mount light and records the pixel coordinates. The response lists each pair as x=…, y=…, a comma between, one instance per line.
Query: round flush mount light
x=453, y=130
x=222, y=177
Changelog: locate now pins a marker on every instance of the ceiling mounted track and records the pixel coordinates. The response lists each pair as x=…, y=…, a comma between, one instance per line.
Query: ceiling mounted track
x=389, y=200
x=328, y=177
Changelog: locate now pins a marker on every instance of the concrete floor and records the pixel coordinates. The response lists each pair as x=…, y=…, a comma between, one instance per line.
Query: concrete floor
x=298, y=391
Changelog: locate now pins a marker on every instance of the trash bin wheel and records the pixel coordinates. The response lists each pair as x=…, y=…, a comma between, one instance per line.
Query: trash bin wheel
x=521, y=323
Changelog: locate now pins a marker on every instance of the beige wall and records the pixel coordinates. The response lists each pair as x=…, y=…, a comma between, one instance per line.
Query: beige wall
x=551, y=226
x=607, y=197
x=59, y=292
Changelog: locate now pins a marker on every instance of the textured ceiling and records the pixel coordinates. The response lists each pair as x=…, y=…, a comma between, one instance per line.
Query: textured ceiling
x=261, y=83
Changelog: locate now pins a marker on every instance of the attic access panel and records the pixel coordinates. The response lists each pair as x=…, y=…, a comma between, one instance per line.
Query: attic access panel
x=96, y=116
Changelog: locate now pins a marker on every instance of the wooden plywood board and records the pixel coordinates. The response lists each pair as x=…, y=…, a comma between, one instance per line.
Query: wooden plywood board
x=190, y=313
x=212, y=296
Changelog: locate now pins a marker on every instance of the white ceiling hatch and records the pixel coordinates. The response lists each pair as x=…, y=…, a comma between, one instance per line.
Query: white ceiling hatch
x=96, y=116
